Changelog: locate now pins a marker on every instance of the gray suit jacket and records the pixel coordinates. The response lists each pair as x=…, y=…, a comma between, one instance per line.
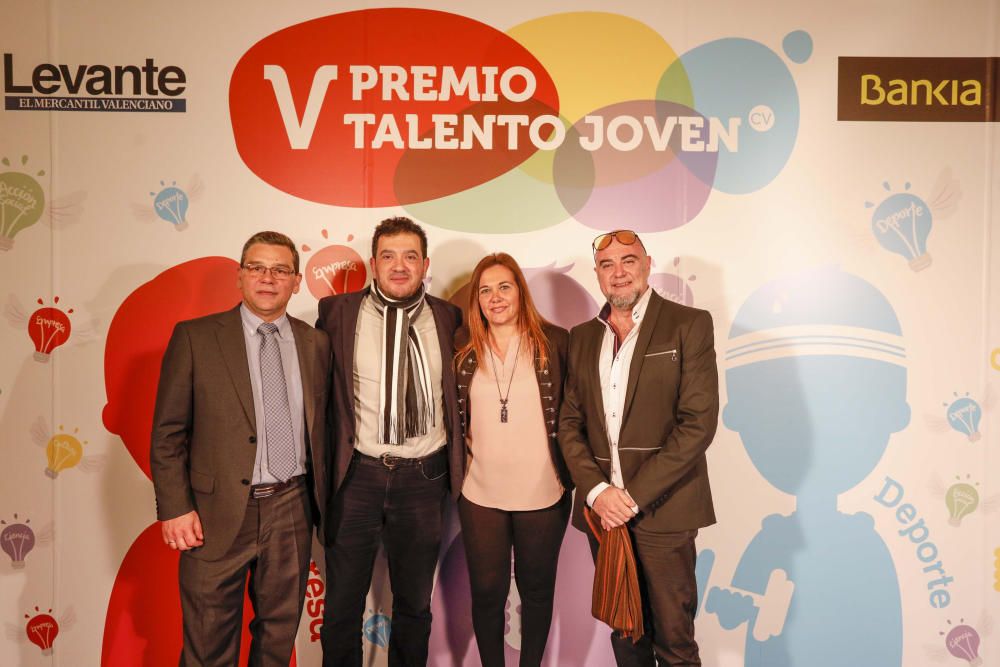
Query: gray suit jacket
x=204, y=439
x=670, y=416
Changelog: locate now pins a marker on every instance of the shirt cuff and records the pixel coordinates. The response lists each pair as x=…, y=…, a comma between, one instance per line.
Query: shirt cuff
x=596, y=491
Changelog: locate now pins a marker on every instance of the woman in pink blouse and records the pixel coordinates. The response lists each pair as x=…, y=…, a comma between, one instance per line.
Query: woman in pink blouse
x=510, y=367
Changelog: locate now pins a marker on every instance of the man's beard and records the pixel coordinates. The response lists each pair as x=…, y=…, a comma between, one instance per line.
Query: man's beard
x=625, y=301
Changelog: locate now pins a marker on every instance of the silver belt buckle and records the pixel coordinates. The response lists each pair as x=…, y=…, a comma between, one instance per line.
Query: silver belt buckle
x=389, y=461
x=265, y=492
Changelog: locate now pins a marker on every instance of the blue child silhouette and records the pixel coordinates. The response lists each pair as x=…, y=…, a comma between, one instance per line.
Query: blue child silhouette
x=816, y=385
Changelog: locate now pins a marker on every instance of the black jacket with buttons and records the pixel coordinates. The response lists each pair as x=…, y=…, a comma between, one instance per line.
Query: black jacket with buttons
x=550, y=386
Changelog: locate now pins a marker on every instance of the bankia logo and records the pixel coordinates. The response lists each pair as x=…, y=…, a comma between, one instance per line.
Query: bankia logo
x=145, y=87
x=918, y=89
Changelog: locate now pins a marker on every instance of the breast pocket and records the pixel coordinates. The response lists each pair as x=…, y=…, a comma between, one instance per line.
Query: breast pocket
x=202, y=483
x=662, y=366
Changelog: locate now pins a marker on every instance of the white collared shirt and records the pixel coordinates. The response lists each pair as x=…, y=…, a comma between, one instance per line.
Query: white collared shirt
x=367, y=379
x=614, y=370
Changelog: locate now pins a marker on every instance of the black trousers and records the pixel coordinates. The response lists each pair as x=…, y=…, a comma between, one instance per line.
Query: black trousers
x=273, y=546
x=669, y=601
x=535, y=536
x=400, y=507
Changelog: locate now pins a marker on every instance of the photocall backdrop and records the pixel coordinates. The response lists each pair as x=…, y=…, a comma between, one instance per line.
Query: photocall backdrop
x=821, y=177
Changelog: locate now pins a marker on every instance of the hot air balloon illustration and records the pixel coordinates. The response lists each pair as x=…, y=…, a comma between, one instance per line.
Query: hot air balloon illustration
x=22, y=202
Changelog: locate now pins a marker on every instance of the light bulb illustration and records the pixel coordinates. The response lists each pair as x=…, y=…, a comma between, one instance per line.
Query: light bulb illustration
x=964, y=415
x=377, y=629
x=674, y=287
x=48, y=327
x=962, y=641
x=17, y=540
x=62, y=451
x=962, y=499
x=42, y=630
x=334, y=269
x=22, y=202
x=901, y=224
x=171, y=204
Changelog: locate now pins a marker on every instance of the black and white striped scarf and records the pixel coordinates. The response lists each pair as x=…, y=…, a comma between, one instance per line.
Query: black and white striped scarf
x=406, y=399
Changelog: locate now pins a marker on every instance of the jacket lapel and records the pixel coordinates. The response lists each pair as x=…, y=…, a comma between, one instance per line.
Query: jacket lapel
x=234, y=351
x=593, y=344
x=641, y=345
x=445, y=327
x=346, y=332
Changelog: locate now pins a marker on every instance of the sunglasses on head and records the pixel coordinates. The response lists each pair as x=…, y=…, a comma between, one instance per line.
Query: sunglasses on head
x=623, y=236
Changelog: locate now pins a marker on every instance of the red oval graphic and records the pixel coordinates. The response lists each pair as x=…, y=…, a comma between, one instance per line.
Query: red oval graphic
x=326, y=109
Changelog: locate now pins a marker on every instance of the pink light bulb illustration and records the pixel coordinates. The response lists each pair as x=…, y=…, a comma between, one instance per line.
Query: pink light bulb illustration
x=963, y=642
x=16, y=540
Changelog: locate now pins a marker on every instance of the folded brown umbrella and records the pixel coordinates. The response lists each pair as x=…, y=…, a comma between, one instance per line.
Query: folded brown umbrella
x=616, y=599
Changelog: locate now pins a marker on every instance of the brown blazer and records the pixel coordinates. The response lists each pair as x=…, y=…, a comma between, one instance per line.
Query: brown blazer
x=338, y=316
x=670, y=416
x=550, y=385
x=204, y=429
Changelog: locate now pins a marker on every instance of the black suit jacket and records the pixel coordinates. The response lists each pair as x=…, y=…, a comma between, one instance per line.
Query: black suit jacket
x=670, y=415
x=204, y=429
x=338, y=316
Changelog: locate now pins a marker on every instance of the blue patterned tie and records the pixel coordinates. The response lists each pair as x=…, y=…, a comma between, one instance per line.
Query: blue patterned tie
x=277, y=414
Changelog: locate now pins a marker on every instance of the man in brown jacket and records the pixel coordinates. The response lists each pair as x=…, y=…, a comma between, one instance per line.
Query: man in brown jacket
x=238, y=460
x=640, y=409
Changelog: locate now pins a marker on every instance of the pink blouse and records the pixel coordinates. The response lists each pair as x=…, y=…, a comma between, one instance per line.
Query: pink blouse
x=509, y=465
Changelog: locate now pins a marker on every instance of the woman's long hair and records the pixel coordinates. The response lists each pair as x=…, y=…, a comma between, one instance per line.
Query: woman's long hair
x=529, y=321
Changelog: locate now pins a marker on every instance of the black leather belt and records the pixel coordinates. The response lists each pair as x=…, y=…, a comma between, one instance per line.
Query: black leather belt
x=268, y=490
x=389, y=461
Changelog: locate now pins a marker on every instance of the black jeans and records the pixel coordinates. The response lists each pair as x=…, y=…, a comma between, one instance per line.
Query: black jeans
x=400, y=505
x=535, y=536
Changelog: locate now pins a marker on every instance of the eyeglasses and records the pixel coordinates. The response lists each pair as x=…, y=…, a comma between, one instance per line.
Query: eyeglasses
x=623, y=236
x=277, y=272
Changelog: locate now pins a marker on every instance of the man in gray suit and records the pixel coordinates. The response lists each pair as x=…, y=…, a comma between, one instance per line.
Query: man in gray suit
x=641, y=407
x=238, y=460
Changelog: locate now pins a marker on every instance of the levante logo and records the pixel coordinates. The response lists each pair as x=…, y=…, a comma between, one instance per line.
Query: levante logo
x=61, y=87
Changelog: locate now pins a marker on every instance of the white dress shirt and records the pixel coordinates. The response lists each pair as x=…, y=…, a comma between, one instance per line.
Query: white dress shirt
x=368, y=384
x=614, y=370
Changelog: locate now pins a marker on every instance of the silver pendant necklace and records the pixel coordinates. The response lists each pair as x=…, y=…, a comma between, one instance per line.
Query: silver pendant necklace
x=505, y=396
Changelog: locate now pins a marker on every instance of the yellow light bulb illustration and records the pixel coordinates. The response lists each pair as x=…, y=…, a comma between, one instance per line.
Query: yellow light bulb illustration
x=62, y=451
